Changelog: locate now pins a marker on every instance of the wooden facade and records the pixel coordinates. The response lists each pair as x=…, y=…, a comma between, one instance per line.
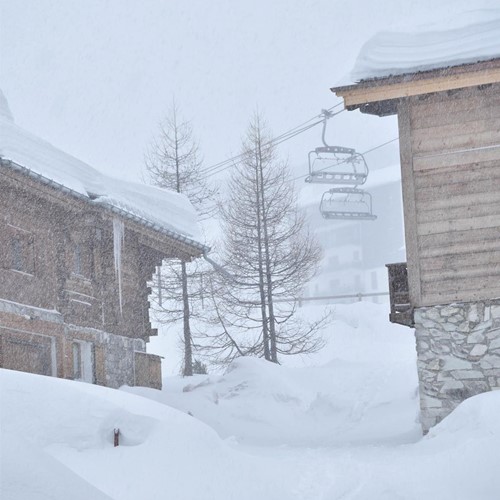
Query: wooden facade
x=60, y=311
x=449, y=131
x=452, y=186
x=449, y=137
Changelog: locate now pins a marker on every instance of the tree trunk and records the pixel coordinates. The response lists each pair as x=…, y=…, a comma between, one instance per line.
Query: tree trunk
x=188, y=351
x=267, y=263
x=260, y=209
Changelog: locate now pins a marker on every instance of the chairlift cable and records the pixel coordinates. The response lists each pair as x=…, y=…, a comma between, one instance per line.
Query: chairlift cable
x=299, y=129
x=302, y=176
x=225, y=164
x=219, y=167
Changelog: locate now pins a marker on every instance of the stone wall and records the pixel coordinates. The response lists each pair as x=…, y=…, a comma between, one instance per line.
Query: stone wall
x=458, y=348
x=120, y=359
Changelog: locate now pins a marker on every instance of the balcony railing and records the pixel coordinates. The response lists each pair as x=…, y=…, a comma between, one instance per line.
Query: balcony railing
x=399, y=293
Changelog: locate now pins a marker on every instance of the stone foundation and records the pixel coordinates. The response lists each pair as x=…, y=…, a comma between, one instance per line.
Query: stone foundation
x=120, y=359
x=458, y=348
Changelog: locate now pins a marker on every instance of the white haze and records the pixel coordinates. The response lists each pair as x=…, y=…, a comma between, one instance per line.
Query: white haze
x=95, y=77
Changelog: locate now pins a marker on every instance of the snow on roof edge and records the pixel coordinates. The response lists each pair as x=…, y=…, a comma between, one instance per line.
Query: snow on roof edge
x=164, y=211
x=420, y=71
x=469, y=38
x=136, y=218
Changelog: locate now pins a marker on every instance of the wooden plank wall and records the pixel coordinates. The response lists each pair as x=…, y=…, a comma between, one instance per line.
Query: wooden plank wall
x=454, y=172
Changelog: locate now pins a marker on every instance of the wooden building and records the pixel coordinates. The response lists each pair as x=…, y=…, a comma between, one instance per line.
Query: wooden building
x=75, y=264
x=449, y=133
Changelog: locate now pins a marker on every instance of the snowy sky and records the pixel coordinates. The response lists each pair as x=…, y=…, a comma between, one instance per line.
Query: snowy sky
x=94, y=77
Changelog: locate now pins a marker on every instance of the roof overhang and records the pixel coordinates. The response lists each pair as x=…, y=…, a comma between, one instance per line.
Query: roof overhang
x=160, y=238
x=380, y=96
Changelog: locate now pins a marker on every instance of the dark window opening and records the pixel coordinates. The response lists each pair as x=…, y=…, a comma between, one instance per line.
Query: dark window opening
x=17, y=262
x=22, y=257
x=77, y=260
x=81, y=259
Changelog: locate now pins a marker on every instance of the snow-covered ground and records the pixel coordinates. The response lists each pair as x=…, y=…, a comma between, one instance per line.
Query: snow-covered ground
x=341, y=425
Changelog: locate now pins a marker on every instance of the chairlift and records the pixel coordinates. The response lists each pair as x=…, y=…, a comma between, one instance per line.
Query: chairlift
x=336, y=164
x=347, y=204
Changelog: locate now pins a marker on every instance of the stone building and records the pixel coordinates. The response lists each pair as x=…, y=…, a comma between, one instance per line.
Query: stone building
x=448, y=108
x=77, y=252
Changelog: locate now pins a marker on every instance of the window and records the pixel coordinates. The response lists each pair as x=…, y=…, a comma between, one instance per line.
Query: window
x=77, y=260
x=80, y=260
x=22, y=255
x=16, y=252
x=26, y=352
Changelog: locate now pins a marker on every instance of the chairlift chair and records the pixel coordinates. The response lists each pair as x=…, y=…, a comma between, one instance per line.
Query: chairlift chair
x=347, y=204
x=336, y=164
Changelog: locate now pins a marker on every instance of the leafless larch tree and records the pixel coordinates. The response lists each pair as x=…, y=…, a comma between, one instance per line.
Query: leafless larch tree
x=173, y=162
x=269, y=255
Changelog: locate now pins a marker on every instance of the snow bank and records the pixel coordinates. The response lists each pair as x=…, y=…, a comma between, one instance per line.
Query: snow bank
x=341, y=428
x=457, y=460
x=346, y=427
x=29, y=473
x=360, y=388
x=57, y=443
x=468, y=38
x=168, y=210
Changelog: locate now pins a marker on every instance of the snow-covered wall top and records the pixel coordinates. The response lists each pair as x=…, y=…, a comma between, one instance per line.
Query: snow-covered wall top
x=167, y=210
x=468, y=38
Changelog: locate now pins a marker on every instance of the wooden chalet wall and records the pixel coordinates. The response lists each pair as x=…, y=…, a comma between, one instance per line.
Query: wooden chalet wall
x=450, y=160
x=68, y=261
x=449, y=135
x=58, y=284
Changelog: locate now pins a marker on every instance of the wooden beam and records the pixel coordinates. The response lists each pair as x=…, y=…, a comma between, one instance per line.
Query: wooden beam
x=386, y=89
x=409, y=202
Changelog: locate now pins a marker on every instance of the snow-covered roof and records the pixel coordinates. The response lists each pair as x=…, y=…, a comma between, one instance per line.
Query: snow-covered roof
x=165, y=211
x=468, y=38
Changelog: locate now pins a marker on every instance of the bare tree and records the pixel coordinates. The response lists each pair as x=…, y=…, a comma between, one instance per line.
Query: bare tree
x=173, y=162
x=269, y=255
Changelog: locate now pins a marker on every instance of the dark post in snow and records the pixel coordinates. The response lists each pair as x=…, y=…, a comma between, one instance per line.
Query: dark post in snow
x=116, y=435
